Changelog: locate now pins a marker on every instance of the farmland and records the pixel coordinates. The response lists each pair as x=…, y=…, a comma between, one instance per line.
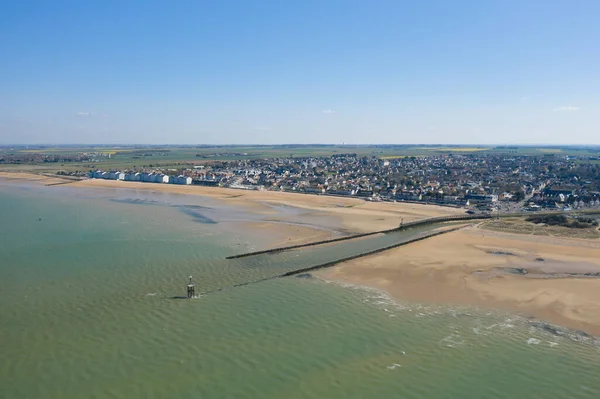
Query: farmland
x=72, y=157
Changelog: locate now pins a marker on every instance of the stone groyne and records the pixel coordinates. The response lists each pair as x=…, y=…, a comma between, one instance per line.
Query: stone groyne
x=373, y=252
x=334, y=262
x=416, y=223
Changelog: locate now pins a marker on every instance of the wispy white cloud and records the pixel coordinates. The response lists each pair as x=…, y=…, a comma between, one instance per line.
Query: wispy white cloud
x=566, y=108
x=90, y=114
x=328, y=111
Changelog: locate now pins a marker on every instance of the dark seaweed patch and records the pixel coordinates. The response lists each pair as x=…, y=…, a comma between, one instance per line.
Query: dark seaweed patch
x=135, y=201
x=195, y=214
x=501, y=253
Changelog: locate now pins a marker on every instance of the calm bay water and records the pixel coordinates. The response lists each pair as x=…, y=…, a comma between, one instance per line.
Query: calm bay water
x=87, y=310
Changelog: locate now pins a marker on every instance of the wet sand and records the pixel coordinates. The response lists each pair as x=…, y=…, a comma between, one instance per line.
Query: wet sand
x=354, y=215
x=31, y=177
x=348, y=215
x=554, y=279
x=282, y=234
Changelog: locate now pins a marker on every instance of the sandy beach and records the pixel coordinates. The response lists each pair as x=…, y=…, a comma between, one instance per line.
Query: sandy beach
x=550, y=278
x=353, y=215
x=346, y=215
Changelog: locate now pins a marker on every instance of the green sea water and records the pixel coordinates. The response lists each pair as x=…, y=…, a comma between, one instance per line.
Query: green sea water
x=89, y=282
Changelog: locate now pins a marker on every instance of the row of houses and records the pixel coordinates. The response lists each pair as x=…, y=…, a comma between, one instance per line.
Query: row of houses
x=143, y=177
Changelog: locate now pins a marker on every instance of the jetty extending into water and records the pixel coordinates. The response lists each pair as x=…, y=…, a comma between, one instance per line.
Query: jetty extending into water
x=416, y=223
x=340, y=260
x=404, y=226
x=419, y=236
x=65, y=179
x=373, y=252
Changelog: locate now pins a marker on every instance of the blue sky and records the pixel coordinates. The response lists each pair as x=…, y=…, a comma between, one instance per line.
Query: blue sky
x=222, y=72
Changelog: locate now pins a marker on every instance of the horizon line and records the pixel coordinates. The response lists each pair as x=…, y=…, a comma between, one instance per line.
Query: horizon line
x=300, y=144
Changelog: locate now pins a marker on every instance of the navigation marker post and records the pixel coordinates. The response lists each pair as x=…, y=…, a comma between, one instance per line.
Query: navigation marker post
x=190, y=289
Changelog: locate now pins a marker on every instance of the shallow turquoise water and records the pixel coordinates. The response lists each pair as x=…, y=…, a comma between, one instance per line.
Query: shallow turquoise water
x=86, y=310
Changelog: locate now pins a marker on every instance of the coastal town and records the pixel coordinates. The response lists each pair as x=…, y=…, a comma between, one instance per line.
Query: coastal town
x=495, y=182
x=300, y=199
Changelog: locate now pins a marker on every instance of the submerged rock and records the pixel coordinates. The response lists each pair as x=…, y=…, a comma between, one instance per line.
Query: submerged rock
x=582, y=333
x=559, y=331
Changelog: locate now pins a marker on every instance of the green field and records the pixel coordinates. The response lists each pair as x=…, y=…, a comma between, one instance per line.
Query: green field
x=124, y=157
